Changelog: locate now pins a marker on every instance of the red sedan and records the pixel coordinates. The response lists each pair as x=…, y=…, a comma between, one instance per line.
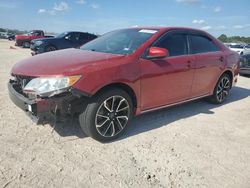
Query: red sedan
x=124, y=73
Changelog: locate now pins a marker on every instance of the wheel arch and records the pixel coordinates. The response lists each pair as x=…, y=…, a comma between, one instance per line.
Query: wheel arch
x=122, y=86
x=230, y=74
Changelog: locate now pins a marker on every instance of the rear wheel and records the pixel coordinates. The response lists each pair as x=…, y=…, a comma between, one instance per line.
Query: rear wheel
x=221, y=89
x=26, y=44
x=107, y=115
x=50, y=48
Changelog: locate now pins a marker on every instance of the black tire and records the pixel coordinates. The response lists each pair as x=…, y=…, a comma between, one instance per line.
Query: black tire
x=26, y=44
x=50, y=48
x=221, y=90
x=96, y=111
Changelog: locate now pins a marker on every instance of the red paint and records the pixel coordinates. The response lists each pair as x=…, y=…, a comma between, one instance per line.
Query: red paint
x=20, y=38
x=155, y=82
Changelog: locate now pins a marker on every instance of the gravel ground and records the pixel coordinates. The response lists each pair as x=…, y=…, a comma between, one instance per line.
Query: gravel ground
x=191, y=145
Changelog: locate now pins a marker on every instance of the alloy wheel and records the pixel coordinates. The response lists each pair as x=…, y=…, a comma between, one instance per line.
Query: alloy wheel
x=112, y=116
x=50, y=48
x=223, y=89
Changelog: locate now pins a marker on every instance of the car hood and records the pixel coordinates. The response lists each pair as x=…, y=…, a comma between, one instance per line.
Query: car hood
x=62, y=63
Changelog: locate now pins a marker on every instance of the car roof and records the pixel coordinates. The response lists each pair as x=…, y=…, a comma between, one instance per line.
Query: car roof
x=162, y=28
x=75, y=32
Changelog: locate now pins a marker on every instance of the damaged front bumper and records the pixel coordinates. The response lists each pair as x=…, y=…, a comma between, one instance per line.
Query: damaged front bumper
x=42, y=110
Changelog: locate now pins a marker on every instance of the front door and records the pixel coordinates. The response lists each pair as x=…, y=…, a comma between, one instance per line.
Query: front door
x=168, y=80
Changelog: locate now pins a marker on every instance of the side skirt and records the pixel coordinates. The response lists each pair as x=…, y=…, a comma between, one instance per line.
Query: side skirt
x=173, y=104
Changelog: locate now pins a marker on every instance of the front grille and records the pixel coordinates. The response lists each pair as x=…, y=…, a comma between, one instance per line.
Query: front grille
x=20, y=82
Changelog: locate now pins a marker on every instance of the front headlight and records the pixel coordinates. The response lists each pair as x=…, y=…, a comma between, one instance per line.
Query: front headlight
x=47, y=87
x=39, y=42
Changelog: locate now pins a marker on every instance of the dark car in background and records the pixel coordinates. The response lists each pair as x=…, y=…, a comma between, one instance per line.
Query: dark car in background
x=62, y=41
x=11, y=37
x=245, y=65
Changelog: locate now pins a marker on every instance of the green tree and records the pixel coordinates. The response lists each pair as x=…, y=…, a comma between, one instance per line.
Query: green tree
x=223, y=38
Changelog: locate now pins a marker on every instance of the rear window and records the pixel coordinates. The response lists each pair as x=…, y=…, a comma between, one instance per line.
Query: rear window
x=202, y=44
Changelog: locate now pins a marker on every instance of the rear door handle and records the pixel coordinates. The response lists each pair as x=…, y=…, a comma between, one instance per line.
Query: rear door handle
x=221, y=58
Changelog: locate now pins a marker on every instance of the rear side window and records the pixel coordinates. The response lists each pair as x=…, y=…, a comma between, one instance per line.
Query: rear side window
x=201, y=44
x=176, y=44
x=86, y=37
x=83, y=36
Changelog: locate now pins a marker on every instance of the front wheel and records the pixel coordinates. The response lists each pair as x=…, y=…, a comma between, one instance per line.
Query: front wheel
x=107, y=115
x=50, y=48
x=221, y=89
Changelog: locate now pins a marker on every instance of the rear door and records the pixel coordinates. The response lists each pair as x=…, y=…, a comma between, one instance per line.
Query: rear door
x=209, y=61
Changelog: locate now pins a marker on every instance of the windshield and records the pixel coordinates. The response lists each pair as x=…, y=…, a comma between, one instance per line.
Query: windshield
x=124, y=41
x=30, y=33
x=61, y=35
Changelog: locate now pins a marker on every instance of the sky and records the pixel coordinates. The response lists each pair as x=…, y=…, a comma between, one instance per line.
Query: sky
x=230, y=17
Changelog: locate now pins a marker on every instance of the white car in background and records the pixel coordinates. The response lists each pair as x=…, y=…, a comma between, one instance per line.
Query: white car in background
x=240, y=48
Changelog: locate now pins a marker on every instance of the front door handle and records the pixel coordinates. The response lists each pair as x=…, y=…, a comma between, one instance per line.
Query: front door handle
x=189, y=64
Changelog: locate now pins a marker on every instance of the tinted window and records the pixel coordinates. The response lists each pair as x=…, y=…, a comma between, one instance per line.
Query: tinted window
x=91, y=37
x=73, y=36
x=83, y=36
x=176, y=44
x=201, y=44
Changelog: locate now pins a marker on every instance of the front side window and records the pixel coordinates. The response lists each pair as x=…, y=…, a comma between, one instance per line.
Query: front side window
x=72, y=37
x=124, y=41
x=176, y=44
x=201, y=44
x=61, y=35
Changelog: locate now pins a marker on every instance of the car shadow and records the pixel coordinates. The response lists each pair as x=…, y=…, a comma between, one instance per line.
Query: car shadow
x=156, y=119
x=67, y=127
x=246, y=75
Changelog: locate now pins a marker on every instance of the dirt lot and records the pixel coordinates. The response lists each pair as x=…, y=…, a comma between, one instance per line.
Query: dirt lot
x=191, y=145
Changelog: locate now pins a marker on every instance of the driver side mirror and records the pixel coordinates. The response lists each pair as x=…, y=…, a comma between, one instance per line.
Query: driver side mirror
x=67, y=38
x=156, y=53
